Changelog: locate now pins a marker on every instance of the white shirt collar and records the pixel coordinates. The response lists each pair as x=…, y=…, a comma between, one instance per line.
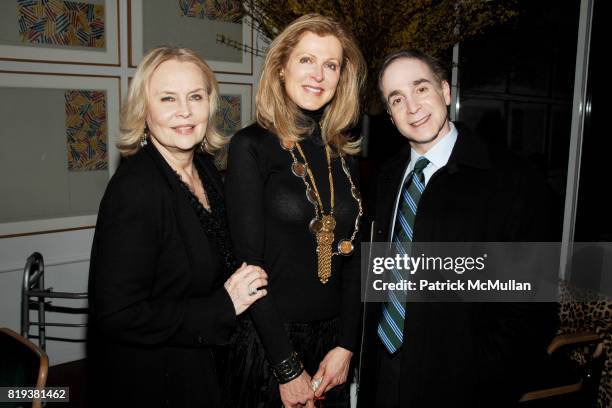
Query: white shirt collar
x=439, y=154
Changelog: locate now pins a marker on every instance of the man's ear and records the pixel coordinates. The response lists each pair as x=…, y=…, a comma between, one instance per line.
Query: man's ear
x=446, y=92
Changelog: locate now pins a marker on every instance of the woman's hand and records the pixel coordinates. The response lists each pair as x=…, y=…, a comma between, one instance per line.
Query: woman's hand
x=297, y=392
x=333, y=370
x=243, y=286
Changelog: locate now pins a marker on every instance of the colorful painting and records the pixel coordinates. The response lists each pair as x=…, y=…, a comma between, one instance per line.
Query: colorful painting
x=86, y=130
x=228, y=114
x=229, y=11
x=58, y=22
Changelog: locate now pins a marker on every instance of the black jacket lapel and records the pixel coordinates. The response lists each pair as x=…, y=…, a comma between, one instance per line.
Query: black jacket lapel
x=194, y=239
x=388, y=187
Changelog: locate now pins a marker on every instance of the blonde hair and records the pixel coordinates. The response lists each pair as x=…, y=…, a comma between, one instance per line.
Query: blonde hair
x=277, y=113
x=134, y=110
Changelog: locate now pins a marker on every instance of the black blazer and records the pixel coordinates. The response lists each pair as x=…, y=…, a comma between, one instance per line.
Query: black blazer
x=156, y=291
x=466, y=354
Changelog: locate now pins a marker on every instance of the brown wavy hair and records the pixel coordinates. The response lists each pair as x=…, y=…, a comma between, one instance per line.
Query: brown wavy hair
x=277, y=113
x=134, y=109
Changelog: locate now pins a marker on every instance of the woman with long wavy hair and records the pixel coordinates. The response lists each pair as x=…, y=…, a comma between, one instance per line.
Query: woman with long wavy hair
x=300, y=222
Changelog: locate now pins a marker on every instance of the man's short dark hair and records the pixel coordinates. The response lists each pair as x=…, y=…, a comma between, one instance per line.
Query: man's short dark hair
x=437, y=68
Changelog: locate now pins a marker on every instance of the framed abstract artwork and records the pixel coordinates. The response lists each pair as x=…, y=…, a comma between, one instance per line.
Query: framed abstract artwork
x=58, y=145
x=215, y=29
x=234, y=110
x=60, y=31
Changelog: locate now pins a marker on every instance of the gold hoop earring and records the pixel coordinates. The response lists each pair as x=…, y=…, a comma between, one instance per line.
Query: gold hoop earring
x=282, y=76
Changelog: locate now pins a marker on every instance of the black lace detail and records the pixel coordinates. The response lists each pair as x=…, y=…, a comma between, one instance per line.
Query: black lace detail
x=214, y=222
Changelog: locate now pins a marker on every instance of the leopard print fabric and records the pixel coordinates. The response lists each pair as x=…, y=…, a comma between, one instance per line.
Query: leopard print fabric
x=582, y=312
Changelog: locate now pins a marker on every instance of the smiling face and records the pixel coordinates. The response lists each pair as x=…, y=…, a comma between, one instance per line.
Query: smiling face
x=417, y=102
x=177, y=106
x=312, y=70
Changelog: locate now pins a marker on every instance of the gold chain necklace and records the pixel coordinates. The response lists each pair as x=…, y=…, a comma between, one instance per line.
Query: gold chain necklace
x=323, y=225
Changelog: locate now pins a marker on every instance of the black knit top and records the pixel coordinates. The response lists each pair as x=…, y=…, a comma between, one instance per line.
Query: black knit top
x=269, y=214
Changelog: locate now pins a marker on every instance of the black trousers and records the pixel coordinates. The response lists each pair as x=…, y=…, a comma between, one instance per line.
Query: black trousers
x=388, y=378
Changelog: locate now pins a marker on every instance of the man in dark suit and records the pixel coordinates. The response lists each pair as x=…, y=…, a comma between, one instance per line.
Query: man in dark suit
x=446, y=185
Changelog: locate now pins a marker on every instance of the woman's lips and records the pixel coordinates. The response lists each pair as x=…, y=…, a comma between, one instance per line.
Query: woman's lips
x=313, y=89
x=184, y=130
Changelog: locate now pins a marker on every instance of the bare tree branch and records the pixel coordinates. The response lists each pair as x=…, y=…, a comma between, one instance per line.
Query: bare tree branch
x=383, y=26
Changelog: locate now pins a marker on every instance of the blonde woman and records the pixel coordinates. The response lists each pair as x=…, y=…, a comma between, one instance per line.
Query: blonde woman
x=294, y=209
x=161, y=294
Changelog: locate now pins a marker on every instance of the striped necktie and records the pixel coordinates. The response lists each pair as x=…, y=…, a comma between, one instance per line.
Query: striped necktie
x=391, y=325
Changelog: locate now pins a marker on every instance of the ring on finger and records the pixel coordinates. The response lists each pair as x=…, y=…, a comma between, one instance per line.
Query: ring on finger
x=252, y=290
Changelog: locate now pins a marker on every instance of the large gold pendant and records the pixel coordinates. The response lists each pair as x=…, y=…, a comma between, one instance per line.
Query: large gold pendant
x=325, y=239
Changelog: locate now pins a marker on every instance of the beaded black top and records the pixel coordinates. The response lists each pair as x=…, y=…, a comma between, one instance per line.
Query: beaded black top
x=214, y=222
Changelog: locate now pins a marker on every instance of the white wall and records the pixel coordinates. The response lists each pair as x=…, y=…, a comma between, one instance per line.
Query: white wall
x=67, y=253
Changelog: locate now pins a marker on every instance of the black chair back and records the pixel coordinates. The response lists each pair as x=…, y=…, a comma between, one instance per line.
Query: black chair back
x=22, y=363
